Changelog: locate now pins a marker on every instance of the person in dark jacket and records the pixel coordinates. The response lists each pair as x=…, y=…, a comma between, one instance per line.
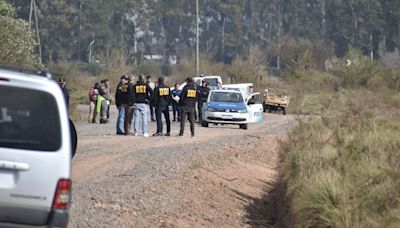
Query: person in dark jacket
x=187, y=103
x=142, y=94
x=63, y=85
x=120, y=101
x=161, y=100
x=129, y=105
x=202, y=96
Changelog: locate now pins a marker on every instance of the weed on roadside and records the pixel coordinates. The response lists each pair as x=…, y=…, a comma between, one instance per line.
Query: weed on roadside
x=196, y=165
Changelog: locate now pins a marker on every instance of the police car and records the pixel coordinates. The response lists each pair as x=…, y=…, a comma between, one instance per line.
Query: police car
x=227, y=106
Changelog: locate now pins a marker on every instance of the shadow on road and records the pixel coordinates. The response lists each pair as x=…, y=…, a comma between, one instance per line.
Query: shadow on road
x=271, y=210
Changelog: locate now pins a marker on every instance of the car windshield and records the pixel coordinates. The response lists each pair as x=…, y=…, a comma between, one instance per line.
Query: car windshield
x=226, y=97
x=29, y=120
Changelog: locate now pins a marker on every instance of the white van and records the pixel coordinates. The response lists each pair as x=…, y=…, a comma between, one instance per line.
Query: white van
x=226, y=106
x=35, y=151
x=212, y=81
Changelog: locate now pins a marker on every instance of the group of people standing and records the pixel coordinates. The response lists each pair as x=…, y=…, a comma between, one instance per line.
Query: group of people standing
x=100, y=100
x=134, y=99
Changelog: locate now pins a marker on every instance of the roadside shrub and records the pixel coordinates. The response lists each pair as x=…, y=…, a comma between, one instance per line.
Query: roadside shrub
x=343, y=170
x=240, y=71
x=17, y=43
x=93, y=69
x=291, y=49
x=148, y=68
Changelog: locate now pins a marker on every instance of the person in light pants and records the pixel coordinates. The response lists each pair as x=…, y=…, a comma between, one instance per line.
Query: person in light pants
x=142, y=95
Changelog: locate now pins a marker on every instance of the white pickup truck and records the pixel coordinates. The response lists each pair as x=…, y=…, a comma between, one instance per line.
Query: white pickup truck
x=225, y=106
x=212, y=81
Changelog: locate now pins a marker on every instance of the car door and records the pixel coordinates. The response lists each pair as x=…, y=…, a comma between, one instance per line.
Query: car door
x=33, y=153
x=255, y=108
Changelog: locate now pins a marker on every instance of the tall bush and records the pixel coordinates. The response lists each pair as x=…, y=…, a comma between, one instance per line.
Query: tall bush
x=16, y=41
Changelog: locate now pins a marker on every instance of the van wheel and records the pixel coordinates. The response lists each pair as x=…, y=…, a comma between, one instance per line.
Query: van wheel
x=204, y=123
x=243, y=126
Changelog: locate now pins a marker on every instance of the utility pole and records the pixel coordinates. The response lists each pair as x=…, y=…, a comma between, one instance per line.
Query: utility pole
x=90, y=51
x=33, y=9
x=278, y=61
x=197, y=39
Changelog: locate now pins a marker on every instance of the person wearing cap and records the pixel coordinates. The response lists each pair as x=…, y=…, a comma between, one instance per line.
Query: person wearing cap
x=63, y=85
x=187, y=103
x=161, y=100
x=142, y=95
x=121, y=94
x=202, y=96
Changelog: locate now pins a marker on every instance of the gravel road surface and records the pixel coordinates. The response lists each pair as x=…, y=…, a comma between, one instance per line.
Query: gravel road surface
x=217, y=179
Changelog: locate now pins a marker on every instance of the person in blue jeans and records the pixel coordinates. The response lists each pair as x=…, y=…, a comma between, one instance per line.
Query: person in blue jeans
x=142, y=94
x=121, y=98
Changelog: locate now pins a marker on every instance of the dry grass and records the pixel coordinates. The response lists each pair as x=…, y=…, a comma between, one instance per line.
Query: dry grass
x=343, y=169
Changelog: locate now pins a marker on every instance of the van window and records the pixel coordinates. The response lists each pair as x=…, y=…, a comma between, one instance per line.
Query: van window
x=211, y=81
x=29, y=120
x=226, y=97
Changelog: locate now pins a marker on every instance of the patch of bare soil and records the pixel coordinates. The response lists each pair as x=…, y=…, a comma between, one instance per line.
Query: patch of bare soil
x=226, y=189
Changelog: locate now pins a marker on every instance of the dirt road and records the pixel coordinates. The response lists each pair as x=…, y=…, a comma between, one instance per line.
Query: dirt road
x=222, y=178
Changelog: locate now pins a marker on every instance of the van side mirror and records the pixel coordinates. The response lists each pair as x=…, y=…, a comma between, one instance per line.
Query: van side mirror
x=74, y=137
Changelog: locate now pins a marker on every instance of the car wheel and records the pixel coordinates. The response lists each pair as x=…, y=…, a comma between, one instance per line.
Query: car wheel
x=284, y=111
x=243, y=126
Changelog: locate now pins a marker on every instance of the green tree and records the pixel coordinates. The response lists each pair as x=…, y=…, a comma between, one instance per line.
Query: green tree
x=16, y=42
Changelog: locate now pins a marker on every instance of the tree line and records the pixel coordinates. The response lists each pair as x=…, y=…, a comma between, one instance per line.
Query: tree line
x=229, y=29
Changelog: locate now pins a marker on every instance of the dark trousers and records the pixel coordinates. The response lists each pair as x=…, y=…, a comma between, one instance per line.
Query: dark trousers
x=151, y=107
x=187, y=111
x=128, y=118
x=200, y=110
x=176, y=111
x=159, y=111
x=108, y=112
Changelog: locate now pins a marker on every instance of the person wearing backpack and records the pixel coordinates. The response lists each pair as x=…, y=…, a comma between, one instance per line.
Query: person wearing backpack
x=93, y=93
